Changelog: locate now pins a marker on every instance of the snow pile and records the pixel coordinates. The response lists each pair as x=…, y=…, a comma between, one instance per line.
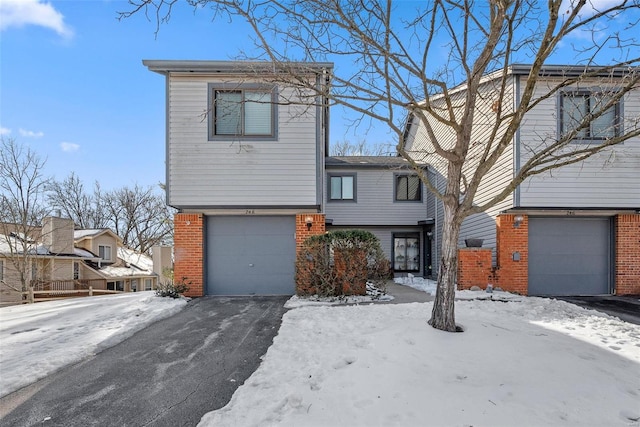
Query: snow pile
x=38, y=339
x=530, y=362
x=374, y=293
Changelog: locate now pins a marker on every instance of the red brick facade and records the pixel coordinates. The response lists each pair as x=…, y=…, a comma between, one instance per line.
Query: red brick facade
x=627, y=254
x=512, y=256
x=512, y=253
x=474, y=268
x=188, y=243
x=303, y=231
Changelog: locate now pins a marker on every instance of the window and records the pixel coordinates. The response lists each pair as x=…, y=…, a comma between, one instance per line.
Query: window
x=116, y=286
x=342, y=187
x=406, y=252
x=575, y=106
x=76, y=271
x=134, y=285
x=408, y=188
x=148, y=284
x=104, y=252
x=242, y=110
x=34, y=270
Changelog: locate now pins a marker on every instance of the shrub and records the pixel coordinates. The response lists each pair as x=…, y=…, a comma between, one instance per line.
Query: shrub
x=339, y=263
x=169, y=288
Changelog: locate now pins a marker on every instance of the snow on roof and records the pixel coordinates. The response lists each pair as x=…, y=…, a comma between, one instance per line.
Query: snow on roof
x=79, y=234
x=133, y=258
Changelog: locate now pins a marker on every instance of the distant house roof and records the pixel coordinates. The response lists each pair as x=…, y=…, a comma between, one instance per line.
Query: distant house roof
x=92, y=233
x=366, y=162
x=37, y=248
x=135, y=265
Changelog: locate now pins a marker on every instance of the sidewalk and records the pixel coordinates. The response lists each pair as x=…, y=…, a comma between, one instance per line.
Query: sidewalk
x=405, y=294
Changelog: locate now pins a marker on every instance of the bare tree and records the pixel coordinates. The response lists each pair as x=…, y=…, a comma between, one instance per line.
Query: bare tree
x=360, y=148
x=22, y=209
x=71, y=199
x=431, y=63
x=139, y=216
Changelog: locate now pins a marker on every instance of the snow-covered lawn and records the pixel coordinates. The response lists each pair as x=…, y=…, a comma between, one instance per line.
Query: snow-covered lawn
x=521, y=361
x=38, y=339
x=525, y=362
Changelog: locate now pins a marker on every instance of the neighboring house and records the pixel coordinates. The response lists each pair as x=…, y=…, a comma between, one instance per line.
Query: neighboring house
x=383, y=196
x=121, y=268
x=574, y=230
x=63, y=259
x=248, y=171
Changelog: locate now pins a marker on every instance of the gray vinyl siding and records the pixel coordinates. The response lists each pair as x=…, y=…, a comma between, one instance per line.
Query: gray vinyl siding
x=375, y=204
x=480, y=225
x=200, y=172
x=608, y=179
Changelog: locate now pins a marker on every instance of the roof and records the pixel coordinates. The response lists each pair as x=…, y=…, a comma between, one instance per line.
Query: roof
x=93, y=232
x=36, y=248
x=366, y=162
x=233, y=67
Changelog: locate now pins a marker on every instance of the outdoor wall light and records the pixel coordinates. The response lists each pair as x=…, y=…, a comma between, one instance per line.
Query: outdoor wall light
x=517, y=220
x=309, y=221
x=429, y=234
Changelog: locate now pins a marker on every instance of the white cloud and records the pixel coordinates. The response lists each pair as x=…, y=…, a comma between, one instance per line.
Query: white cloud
x=4, y=131
x=30, y=133
x=18, y=13
x=69, y=147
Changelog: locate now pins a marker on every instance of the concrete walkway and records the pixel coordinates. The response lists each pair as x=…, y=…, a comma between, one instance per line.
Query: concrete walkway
x=169, y=374
x=404, y=294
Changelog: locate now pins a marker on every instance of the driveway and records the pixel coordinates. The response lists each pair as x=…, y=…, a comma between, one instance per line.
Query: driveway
x=626, y=308
x=169, y=374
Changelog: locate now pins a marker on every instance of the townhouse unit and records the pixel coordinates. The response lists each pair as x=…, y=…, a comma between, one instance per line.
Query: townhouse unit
x=570, y=231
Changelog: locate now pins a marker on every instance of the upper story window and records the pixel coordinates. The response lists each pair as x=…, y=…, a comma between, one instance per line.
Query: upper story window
x=575, y=106
x=342, y=187
x=104, y=252
x=408, y=188
x=246, y=111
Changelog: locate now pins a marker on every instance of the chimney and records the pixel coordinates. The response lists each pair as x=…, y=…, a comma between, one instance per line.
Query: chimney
x=57, y=235
x=162, y=259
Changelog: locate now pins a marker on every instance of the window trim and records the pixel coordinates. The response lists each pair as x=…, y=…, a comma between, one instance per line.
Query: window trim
x=341, y=175
x=406, y=235
x=396, y=176
x=588, y=93
x=242, y=87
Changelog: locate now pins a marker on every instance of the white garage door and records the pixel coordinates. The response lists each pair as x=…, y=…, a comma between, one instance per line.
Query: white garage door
x=250, y=255
x=570, y=256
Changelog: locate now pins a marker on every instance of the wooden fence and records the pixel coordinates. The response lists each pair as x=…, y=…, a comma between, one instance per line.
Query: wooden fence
x=56, y=289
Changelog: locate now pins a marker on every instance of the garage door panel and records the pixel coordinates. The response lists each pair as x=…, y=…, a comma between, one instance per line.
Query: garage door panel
x=569, y=256
x=250, y=255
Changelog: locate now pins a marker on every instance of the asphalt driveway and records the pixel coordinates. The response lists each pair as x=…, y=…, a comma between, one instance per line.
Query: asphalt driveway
x=626, y=308
x=169, y=374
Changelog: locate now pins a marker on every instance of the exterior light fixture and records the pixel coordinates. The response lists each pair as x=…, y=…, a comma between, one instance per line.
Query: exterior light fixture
x=309, y=221
x=517, y=220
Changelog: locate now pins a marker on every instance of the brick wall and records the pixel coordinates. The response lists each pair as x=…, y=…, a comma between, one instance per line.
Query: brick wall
x=303, y=232
x=627, y=254
x=188, y=243
x=475, y=268
x=512, y=253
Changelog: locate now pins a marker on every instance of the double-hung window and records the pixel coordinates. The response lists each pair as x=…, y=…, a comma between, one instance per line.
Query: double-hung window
x=342, y=187
x=408, y=188
x=576, y=106
x=242, y=111
x=104, y=252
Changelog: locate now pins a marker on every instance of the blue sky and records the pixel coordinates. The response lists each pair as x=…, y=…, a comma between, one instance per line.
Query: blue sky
x=73, y=87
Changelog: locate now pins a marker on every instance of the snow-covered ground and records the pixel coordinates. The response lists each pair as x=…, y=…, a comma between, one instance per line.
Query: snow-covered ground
x=521, y=361
x=38, y=339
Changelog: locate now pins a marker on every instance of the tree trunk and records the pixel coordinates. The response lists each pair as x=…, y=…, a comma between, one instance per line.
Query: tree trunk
x=443, y=316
